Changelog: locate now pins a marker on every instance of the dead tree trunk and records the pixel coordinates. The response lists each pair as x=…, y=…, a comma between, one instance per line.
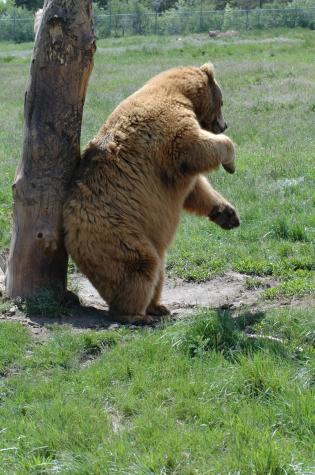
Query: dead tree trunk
x=61, y=65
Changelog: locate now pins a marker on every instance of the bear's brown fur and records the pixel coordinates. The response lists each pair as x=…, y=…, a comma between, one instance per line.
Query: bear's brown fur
x=135, y=177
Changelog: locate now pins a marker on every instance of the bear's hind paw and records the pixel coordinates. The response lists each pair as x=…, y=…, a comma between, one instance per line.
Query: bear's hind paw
x=157, y=310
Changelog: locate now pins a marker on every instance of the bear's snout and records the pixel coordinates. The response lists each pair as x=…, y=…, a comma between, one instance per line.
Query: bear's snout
x=219, y=126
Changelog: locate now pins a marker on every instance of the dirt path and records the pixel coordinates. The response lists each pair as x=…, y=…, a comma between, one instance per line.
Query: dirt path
x=227, y=292
x=180, y=297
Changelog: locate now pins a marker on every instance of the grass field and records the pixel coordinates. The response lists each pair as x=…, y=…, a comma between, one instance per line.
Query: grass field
x=210, y=394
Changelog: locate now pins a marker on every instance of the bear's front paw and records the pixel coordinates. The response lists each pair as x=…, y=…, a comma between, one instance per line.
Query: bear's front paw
x=226, y=218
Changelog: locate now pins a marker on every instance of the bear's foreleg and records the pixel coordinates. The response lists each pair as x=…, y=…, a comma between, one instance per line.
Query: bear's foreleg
x=201, y=151
x=203, y=200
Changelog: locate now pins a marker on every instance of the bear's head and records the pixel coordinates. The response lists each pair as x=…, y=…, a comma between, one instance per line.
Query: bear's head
x=209, y=112
x=198, y=85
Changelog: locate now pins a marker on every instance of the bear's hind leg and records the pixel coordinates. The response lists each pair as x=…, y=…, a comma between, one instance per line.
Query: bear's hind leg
x=135, y=289
x=155, y=307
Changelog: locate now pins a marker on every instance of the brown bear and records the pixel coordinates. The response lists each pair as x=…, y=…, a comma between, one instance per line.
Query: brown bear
x=142, y=168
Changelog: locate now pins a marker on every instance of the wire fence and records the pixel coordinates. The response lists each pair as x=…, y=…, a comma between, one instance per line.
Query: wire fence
x=18, y=27
x=174, y=22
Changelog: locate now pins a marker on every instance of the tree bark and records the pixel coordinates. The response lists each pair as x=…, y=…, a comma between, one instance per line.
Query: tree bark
x=61, y=65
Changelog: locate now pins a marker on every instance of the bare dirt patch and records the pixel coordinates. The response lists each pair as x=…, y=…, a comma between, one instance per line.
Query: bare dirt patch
x=179, y=296
x=229, y=291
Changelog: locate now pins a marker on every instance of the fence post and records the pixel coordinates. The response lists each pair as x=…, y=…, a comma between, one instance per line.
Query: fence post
x=155, y=23
x=200, y=16
x=110, y=20
x=246, y=19
x=14, y=25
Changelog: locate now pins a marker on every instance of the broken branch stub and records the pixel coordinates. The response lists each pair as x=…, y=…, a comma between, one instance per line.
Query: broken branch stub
x=61, y=65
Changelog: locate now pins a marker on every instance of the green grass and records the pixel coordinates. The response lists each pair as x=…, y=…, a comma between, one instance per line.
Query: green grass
x=13, y=342
x=195, y=397
x=267, y=81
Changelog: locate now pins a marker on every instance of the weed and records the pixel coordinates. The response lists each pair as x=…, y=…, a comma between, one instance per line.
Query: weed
x=44, y=303
x=252, y=283
x=297, y=284
x=255, y=267
x=95, y=344
x=219, y=332
x=4, y=305
x=294, y=232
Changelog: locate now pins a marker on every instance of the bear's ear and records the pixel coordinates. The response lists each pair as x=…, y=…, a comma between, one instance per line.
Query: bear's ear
x=209, y=70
